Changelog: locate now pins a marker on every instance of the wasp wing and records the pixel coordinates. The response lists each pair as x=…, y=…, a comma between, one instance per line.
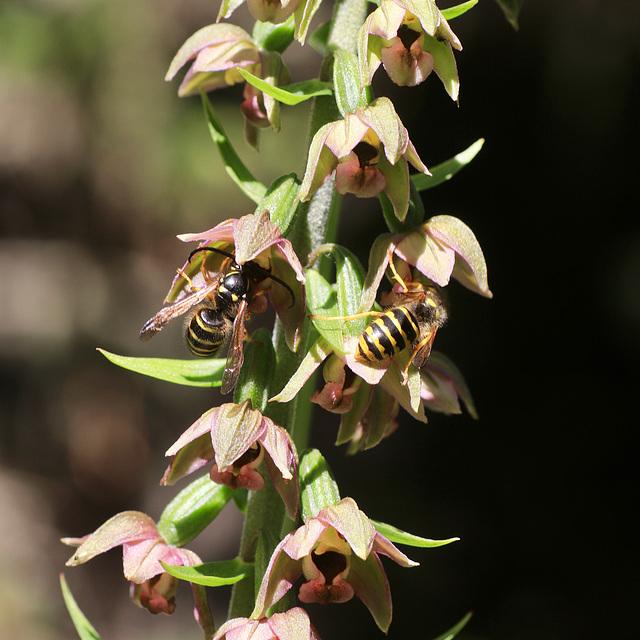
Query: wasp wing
x=423, y=350
x=235, y=357
x=168, y=313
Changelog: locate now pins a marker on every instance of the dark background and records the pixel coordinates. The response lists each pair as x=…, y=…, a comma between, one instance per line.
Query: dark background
x=101, y=166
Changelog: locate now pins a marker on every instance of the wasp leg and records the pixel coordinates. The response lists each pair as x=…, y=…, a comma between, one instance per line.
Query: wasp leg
x=182, y=274
x=426, y=342
x=396, y=275
x=353, y=317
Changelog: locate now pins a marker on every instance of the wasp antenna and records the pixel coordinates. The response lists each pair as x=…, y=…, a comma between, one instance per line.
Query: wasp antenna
x=214, y=249
x=268, y=274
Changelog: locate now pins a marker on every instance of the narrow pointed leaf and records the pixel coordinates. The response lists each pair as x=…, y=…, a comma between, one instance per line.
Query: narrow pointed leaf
x=193, y=373
x=212, y=574
x=446, y=170
x=291, y=94
x=83, y=626
x=236, y=169
x=402, y=537
x=458, y=10
x=453, y=632
x=192, y=510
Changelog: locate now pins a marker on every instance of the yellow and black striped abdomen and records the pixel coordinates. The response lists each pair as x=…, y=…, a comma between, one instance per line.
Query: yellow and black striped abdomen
x=387, y=335
x=206, y=332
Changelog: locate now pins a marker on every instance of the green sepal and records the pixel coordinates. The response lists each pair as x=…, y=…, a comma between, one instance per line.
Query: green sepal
x=84, y=628
x=388, y=212
x=212, y=574
x=343, y=299
x=346, y=82
x=447, y=169
x=192, y=510
x=193, y=373
x=351, y=419
x=458, y=10
x=273, y=37
x=319, y=39
x=236, y=169
x=455, y=630
x=290, y=94
x=257, y=371
x=241, y=498
x=318, y=489
x=415, y=214
x=279, y=201
x=402, y=537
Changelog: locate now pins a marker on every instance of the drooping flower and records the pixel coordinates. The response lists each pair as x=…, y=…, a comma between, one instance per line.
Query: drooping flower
x=440, y=249
x=238, y=439
x=337, y=553
x=410, y=38
x=143, y=548
x=370, y=152
x=254, y=238
x=218, y=51
x=293, y=624
x=276, y=12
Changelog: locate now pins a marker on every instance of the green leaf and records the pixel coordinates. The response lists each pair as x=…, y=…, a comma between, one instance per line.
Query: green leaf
x=257, y=371
x=193, y=373
x=322, y=301
x=446, y=170
x=458, y=10
x=279, y=201
x=453, y=632
x=236, y=169
x=402, y=537
x=192, y=510
x=341, y=300
x=212, y=574
x=318, y=489
x=346, y=82
x=83, y=626
x=290, y=94
x=511, y=9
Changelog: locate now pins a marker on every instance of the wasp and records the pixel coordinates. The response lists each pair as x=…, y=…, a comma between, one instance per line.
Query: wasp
x=412, y=317
x=217, y=311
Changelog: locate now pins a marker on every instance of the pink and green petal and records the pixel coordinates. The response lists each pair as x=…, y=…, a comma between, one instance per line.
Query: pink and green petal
x=188, y=459
x=120, y=529
x=370, y=584
x=470, y=268
x=233, y=430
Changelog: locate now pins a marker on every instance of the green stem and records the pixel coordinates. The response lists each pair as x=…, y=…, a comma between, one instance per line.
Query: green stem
x=316, y=224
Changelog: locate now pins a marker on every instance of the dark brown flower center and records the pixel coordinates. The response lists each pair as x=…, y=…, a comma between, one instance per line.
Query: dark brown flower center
x=330, y=564
x=407, y=36
x=366, y=153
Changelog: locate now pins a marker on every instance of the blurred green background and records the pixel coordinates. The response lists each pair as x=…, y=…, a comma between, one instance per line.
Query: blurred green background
x=101, y=165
